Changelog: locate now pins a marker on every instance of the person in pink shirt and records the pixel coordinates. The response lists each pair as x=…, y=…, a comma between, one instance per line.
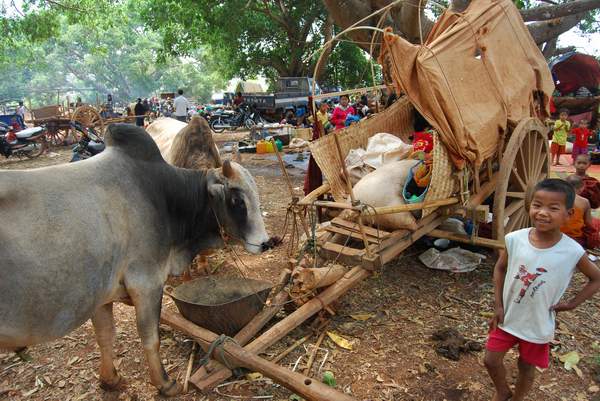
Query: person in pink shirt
x=338, y=118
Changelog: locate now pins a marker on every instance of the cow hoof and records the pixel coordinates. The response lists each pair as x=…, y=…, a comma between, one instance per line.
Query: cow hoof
x=171, y=389
x=116, y=385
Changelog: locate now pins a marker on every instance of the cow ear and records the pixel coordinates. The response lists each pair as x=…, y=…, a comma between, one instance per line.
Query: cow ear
x=215, y=186
x=228, y=171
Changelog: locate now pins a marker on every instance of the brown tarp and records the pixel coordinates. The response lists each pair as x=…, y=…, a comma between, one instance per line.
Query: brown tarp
x=476, y=70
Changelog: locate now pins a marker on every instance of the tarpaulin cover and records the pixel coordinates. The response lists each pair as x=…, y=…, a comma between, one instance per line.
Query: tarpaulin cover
x=574, y=70
x=476, y=70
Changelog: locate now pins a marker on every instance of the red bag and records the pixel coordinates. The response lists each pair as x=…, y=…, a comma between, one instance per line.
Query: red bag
x=422, y=141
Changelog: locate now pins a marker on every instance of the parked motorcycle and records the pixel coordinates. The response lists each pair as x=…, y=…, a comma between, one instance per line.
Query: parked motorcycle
x=30, y=142
x=90, y=144
x=245, y=116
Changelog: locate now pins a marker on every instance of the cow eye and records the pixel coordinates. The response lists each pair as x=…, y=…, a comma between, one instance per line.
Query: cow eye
x=238, y=203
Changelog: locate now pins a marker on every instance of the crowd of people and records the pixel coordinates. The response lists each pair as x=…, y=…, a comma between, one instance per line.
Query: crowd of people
x=331, y=116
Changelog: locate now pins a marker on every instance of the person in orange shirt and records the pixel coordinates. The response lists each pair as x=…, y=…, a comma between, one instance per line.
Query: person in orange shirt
x=580, y=225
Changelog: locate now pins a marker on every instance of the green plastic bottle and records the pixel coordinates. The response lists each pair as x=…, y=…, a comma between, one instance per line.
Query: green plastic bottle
x=279, y=145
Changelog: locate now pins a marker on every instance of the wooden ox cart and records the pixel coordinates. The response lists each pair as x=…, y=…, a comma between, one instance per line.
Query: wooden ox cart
x=485, y=97
x=483, y=85
x=57, y=120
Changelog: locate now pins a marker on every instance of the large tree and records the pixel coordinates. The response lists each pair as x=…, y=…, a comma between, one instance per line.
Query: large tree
x=119, y=57
x=245, y=37
x=546, y=19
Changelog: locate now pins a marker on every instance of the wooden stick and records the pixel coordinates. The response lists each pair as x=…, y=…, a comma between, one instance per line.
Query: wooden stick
x=409, y=206
x=314, y=195
x=233, y=354
x=291, y=348
x=313, y=354
x=490, y=243
x=349, y=92
x=281, y=329
x=188, y=371
x=388, y=209
x=282, y=166
x=350, y=191
x=336, y=205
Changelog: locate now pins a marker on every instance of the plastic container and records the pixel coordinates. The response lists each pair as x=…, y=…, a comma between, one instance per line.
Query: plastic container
x=269, y=147
x=262, y=147
x=279, y=145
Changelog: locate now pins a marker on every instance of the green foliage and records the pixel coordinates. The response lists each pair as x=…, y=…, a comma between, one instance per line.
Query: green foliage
x=117, y=57
x=244, y=37
x=349, y=67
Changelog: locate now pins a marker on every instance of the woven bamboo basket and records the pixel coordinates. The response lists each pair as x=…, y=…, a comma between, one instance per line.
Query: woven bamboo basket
x=397, y=120
x=442, y=183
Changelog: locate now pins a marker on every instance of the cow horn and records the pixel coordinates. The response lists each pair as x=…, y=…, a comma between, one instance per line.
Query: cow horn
x=228, y=169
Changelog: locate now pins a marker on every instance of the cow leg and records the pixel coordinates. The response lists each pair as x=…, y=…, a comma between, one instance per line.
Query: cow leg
x=147, y=304
x=104, y=327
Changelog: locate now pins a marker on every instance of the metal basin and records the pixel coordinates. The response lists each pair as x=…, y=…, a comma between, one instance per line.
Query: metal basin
x=223, y=305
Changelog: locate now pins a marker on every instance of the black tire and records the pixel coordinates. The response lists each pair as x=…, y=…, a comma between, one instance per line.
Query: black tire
x=249, y=123
x=216, y=122
x=40, y=147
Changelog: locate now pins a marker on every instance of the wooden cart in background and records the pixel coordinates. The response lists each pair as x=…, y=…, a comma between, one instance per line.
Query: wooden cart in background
x=57, y=120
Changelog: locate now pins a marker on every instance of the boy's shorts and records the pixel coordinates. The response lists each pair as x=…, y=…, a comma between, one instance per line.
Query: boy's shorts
x=556, y=148
x=530, y=353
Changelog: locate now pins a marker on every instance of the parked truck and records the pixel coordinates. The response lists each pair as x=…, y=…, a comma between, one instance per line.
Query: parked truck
x=292, y=93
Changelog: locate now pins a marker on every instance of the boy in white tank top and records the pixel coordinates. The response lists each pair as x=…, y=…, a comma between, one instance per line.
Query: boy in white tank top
x=530, y=278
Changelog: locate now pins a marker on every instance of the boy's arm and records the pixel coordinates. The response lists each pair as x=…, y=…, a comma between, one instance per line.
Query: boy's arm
x=593, y=285
x=499, y=276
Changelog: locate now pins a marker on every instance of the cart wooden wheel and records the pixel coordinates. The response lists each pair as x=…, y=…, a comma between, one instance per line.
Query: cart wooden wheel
x=55, y=134
x=90, y=118
x=525, y=162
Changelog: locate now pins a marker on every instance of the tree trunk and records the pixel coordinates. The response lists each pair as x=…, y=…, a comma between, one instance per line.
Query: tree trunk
x=543, y=13
x=553, y=20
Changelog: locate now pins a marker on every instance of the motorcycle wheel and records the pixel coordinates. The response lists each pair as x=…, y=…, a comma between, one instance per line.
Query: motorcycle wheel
x=39, y=148
x=249, y=123
x=215, y=123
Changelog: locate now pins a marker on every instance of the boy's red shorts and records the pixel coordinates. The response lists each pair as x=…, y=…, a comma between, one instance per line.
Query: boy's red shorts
x=531, y=353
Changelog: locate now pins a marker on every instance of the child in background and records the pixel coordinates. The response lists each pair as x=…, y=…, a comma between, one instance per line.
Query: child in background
x=582, y=134
x=341, y=112
x=322, y=115
x=591, y=186
x=581, y=218
x=530, y=278
x=559, y=138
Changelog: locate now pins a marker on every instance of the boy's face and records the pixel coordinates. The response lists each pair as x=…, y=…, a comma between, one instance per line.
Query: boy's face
x=563, y=116
x=583, y=124
x=581, y=165
x=548, y=210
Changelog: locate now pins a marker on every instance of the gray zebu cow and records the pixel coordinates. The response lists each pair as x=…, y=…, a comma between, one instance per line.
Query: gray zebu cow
x=77, y=237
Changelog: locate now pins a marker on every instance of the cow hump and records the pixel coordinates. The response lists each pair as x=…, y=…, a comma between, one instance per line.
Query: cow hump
x=132, y=140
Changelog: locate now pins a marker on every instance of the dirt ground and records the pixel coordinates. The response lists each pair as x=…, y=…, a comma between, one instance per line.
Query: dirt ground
x=389, y=318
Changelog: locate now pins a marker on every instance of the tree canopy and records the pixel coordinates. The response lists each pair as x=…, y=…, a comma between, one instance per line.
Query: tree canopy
x=134, y=48
x=118, y=55
x=250, y=37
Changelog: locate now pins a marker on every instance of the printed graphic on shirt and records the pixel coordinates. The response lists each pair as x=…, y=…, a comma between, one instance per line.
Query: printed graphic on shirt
x=528, y=279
